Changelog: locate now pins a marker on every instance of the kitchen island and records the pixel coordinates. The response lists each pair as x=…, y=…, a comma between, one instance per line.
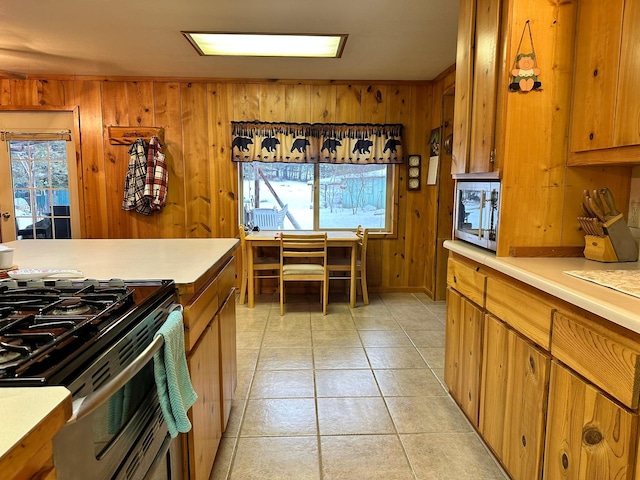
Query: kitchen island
x=204, y=271
x=546, y=366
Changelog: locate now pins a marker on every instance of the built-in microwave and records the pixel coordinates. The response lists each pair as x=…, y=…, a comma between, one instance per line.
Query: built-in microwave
x=477, y=208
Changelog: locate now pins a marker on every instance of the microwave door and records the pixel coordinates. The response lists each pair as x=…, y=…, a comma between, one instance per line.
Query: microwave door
x=470, y=215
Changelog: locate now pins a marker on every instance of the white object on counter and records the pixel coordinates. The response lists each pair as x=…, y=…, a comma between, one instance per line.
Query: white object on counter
x=6, y=257
x=37, y=273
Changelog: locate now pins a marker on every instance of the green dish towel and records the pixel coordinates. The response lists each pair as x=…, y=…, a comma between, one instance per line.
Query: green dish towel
x=173, y=383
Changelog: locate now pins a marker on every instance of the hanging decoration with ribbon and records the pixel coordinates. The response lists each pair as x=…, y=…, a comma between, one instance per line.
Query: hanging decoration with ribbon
x=525, y=69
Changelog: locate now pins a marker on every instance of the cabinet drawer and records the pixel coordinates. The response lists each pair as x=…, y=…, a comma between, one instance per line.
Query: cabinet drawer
x=199, y=313
x=467, y=280
x=607, y=355
x=525, y=309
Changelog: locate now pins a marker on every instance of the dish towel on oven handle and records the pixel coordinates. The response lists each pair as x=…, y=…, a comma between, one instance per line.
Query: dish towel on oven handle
x=173, y=382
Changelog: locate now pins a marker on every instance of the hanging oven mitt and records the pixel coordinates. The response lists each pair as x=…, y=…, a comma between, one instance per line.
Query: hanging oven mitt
x=173, y=382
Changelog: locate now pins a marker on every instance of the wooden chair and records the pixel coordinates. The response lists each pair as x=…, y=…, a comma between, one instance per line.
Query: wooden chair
x=263, y=267
x=343, y=265
x=303, y=257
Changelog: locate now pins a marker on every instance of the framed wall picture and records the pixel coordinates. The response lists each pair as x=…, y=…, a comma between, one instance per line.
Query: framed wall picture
x=414, y=166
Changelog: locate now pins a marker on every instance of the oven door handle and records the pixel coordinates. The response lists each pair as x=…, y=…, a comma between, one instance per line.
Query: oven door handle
x=84, y=406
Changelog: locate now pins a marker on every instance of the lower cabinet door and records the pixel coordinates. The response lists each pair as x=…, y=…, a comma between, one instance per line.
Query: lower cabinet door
x=588, y=435
x=205, y=416
x=514, y=397
x=463, y=353
x=228, y=361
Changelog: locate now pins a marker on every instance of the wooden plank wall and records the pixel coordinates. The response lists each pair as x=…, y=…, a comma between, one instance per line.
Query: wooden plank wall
x=203, y=191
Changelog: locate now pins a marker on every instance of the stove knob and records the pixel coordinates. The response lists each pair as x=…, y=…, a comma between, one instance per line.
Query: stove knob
x=35, y=283
x=9, y=284
x=116, y=282
x=88, y=282
x=63, y=283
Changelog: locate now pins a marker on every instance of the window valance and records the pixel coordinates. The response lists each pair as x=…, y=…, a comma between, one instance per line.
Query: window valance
x=316, y=143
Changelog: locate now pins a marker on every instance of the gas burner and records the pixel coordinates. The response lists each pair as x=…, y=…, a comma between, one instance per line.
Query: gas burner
x=11, y=351
x=71, y=306
x=7, y=356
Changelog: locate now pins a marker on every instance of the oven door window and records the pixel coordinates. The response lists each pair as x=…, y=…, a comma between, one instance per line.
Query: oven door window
x=114, y=415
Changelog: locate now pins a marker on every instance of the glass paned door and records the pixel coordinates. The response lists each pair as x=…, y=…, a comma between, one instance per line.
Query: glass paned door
x=38, y=180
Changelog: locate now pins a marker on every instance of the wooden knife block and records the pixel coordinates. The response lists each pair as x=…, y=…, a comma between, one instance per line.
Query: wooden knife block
x=599, y=249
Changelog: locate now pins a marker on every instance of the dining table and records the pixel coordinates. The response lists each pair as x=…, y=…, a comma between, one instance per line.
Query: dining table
x=271, y=238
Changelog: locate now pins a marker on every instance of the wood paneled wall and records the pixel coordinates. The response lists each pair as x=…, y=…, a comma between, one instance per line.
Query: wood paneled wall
x=203, y=184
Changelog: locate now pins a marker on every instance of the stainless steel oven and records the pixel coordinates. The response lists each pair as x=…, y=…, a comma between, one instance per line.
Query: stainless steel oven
x=117, y=430
x=97, y=339
x=477, y=212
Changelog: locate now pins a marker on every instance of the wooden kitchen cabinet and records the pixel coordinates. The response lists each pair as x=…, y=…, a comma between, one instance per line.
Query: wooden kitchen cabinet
x=205, y=415
x=523, y=308
x=515, y=384
x=463, y=353
x=605, y=115
x=588, y=434
x=606, y=355
x=468, y=279
x=210, y=341
x=228, y=359
x=477, y=70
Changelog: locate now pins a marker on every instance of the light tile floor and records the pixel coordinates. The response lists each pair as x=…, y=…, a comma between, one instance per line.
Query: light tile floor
x=356, y=394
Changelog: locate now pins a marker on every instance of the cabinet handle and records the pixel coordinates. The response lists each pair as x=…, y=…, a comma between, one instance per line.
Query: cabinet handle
x=592, y=436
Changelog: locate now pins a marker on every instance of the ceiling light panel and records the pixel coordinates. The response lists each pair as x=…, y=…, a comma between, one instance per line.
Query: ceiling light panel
x=267, y=45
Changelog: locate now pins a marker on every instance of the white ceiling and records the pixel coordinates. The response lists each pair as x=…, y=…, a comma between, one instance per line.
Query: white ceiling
x=388, y=39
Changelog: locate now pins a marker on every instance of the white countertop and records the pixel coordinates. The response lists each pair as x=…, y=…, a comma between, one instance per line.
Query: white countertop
x=183, y=260
x=546, y=274
x=23, y=409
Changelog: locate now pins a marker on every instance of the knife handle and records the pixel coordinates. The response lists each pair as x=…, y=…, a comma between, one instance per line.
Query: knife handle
x=608, y=198
x=596, y=210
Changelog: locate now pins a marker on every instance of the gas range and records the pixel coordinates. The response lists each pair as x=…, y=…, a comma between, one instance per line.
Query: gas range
x=51, y=329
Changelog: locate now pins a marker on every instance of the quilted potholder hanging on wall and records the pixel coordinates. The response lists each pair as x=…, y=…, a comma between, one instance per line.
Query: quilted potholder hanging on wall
x=525, y=69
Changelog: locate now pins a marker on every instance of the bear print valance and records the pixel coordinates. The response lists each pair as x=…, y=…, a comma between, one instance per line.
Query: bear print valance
x=316, y=143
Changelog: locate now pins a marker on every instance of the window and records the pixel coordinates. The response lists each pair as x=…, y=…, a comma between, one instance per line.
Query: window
x=318, y=196
x=317, y=176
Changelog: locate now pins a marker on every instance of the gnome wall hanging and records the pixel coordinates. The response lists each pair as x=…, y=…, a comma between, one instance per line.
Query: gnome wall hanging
x=525, y=69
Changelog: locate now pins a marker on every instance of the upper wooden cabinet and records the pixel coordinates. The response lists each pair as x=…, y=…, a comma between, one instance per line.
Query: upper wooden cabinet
x=605, y=115
x=477, y=64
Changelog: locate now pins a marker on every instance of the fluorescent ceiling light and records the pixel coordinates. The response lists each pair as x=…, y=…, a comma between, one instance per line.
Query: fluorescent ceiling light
x=266, y=44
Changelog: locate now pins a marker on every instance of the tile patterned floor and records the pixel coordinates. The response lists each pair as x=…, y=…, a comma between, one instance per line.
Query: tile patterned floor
x=356, y=394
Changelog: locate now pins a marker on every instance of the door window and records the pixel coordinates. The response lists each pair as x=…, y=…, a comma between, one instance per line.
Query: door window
x=38, y=176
